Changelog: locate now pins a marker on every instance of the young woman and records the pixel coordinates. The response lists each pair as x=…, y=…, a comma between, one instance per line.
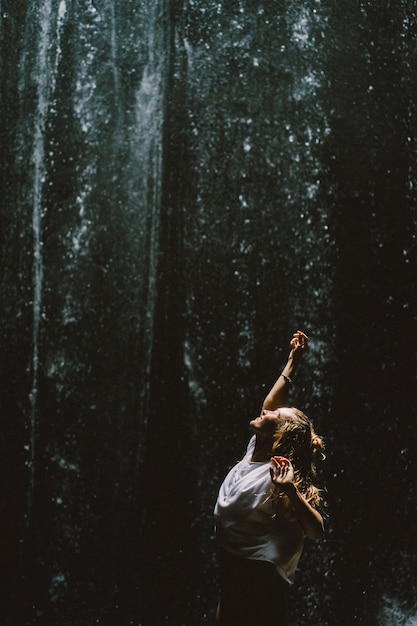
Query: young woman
x=265, y=507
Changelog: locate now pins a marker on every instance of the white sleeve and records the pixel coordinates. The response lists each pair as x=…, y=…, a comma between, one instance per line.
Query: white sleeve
x=251, y=445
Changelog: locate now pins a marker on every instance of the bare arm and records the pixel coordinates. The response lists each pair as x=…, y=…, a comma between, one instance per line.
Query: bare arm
x=310, y=519
x=282, y=475
x=279, y=392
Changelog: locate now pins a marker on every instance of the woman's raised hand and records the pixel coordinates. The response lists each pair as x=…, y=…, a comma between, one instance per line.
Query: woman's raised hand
x=299, y=340
x=282, y=471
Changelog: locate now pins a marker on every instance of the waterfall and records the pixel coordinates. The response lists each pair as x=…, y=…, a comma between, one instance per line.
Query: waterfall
x=150, y=107
x=47, y=59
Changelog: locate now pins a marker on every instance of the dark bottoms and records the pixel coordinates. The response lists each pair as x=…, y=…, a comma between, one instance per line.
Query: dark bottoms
x=251, y=593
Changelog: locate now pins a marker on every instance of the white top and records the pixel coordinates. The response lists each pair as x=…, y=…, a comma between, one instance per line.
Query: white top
x=252, y=525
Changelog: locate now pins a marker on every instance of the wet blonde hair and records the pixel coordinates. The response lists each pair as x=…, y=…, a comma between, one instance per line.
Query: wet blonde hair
x=296, y=440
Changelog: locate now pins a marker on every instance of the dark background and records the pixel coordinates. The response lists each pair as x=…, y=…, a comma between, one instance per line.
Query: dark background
x=184, y=184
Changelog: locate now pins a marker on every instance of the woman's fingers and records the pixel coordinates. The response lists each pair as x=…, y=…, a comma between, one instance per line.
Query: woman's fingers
x=280, y=460
x=279, y=468
x=302, y=338
x=299, y=339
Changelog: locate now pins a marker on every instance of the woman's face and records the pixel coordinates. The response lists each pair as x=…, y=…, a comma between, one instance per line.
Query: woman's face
x=266, y=424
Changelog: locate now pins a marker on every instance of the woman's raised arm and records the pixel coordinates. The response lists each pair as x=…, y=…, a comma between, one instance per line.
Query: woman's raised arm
x=279, y=392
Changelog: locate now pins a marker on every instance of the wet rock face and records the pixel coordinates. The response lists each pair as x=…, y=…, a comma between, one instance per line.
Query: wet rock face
x=185, y=184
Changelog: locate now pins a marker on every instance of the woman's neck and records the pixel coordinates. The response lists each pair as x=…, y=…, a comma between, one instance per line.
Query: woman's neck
x=262, y=451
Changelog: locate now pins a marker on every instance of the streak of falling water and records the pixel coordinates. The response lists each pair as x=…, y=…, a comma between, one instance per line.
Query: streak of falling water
x=113, y=44
x=46, y=75
x=150, y=102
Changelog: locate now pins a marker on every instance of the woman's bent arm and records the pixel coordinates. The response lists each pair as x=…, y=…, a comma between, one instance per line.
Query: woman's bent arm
x=310, y=519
